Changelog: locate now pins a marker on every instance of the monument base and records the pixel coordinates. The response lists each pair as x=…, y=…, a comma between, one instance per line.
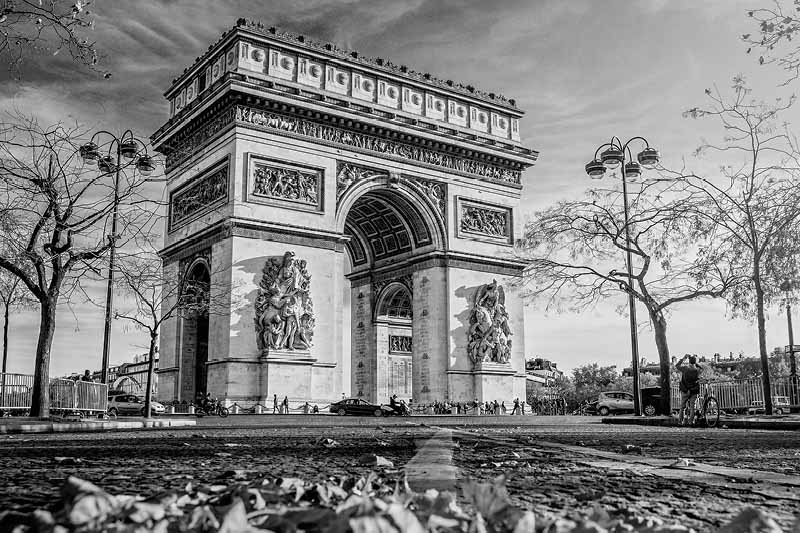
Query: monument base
x=494, y=381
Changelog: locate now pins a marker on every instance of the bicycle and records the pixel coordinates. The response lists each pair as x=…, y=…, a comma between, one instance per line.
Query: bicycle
x=706, y=410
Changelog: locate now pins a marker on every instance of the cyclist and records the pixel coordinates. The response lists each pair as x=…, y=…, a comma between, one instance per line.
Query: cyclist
x=689, y=387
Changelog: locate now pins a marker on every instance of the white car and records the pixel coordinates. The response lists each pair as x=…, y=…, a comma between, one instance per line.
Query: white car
x=614, y=402
x=130, y=404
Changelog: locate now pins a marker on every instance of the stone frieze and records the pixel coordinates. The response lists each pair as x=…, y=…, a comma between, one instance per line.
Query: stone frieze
x=202, y=195
x=283, y=183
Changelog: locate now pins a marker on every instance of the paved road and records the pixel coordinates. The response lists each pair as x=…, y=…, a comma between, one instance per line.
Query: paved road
x=554, y=465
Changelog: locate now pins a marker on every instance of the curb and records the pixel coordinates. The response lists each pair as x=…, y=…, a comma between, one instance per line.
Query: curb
x=90, y=427
x=730, y=423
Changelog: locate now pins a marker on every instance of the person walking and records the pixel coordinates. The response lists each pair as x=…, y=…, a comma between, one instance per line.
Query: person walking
x=515, y=410
x=286, y=405
x=274, y=404
x=87, y=376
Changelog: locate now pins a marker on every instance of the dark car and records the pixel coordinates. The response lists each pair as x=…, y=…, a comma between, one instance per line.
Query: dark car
x=651, y=400
x=356, y=406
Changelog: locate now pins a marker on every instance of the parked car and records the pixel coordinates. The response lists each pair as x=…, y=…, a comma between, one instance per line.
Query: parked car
x=130, y=404
x=357, y=406
x=614, y=402
x=651, y=399
x=780, y=405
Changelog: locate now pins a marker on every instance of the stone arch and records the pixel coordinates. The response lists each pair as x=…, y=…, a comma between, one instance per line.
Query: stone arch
x=382, y=195
x=194, y=338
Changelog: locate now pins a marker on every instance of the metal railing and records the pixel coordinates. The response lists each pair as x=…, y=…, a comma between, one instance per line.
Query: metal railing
x=66, y=396
x=742, y=394
x=15, y=393
x=83, y=397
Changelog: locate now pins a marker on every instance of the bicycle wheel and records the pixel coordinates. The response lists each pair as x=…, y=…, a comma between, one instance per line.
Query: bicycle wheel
x=223, y=411
x=711, y=412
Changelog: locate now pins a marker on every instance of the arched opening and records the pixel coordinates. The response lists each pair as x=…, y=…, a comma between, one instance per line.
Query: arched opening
x=194, y=332
x=393, y=321
x=387, y=228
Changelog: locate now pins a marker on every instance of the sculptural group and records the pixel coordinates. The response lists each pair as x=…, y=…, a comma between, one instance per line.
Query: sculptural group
x=284, y=310
x=489, y=330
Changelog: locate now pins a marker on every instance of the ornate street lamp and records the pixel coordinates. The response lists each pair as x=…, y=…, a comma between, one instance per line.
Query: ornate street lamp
x=615, y=154
x=787, y=286
x=121, y=152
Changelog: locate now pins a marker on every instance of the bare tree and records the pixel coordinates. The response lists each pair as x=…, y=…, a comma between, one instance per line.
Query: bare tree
x=778, y=24
x=49, y=26
x=54, y=222
x=576, y=252
x=157, y=297
x=753, y=205
x=13, y=295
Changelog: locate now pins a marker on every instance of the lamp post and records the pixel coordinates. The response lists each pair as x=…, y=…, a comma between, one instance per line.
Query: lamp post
x=787, y=286
x=615, y=155
x=120, y=152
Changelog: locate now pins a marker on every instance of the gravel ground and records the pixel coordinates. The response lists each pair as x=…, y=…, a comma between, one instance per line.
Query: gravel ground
x=546, y=480
x=32, y=469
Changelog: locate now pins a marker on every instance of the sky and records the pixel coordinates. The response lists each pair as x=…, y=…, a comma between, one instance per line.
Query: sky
x=583, y=70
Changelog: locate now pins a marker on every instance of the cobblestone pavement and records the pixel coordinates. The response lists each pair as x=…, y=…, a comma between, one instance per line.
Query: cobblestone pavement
x=632, y=479
x=552, y=467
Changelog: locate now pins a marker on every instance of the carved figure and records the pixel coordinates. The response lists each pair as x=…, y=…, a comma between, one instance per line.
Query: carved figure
x=284, y=310
x=489, y=329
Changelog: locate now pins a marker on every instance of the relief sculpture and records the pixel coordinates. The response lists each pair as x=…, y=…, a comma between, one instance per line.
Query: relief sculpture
x=286, y=184
x=487, y=221
x=489, y=330
x=284, y=310
x=348, y=173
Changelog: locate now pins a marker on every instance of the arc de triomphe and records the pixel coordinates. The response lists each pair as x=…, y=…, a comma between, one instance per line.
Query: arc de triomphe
x=353, y=221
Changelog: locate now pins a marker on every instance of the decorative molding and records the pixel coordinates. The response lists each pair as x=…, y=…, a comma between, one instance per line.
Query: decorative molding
x=371, y=143
x=200, y=195
x=290, y=184
x=186, y=145
x=348, y=174
x=187, y=261
x=400, y=343
x=436, y=193
x=491, y=222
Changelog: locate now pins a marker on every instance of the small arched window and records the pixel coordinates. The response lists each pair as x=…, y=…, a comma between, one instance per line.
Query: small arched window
x=397, y=304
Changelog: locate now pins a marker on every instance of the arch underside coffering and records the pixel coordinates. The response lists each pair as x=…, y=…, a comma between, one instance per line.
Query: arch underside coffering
x=383, y=225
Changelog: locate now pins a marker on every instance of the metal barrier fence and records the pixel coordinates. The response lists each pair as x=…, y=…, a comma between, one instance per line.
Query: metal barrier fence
x=85, y=397
x=15, y=392
x=66, y=396
x=742, y=394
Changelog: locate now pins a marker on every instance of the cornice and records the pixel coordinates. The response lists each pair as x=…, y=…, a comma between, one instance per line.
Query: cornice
x=260, y=31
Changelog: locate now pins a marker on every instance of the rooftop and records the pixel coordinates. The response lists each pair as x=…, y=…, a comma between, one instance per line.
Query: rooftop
x=330, y=49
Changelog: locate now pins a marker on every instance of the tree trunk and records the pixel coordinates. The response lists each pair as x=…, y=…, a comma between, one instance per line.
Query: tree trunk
x=660, y=332
x=40, y=396
x=150, y=366
x=762, y=339
x=5, y=338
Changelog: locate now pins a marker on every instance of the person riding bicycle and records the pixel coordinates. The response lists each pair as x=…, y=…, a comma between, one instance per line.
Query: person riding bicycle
x=689, y=386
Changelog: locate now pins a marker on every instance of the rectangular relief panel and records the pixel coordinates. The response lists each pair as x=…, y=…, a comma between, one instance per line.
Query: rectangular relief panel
x=200, y=195
x=285, y=183
x=482, y=221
